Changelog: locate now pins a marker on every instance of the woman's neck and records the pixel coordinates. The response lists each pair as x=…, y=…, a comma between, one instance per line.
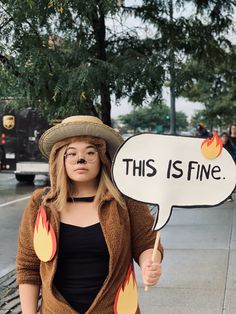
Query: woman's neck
x=85, y=189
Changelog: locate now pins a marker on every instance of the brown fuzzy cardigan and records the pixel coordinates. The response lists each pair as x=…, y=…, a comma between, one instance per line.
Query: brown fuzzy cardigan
x=127, y=233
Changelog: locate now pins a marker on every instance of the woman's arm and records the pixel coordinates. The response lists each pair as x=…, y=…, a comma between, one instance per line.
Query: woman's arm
x=151, y=270
x=29, y=295
x=27, y=262
x=142, y=236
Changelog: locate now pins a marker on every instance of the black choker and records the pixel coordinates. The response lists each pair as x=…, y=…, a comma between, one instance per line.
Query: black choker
x=80, y=199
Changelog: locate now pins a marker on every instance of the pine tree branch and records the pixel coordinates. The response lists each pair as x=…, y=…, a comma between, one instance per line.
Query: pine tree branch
x=6, y=62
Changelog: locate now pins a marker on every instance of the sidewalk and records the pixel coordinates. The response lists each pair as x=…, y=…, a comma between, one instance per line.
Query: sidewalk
x=199, y=267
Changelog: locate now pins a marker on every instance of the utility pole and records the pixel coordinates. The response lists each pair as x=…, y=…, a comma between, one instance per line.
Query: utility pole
x=172, y=78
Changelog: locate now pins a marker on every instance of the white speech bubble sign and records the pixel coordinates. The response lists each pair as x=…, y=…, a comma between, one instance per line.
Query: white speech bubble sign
x=172, y=171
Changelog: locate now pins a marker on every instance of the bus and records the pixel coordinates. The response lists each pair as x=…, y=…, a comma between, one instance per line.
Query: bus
x=20, y=131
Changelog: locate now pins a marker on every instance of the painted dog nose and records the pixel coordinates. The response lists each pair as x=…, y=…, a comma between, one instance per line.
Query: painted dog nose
x=81, y=161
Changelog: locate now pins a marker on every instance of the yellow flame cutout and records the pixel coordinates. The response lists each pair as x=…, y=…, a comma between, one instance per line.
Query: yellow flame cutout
x=44, y=237
x=212, y=148
x=126, y=301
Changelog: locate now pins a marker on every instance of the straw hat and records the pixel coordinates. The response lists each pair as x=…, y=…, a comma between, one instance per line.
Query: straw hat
x=76, y=126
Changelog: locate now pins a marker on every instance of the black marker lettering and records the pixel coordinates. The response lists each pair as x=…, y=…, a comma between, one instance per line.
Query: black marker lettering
x=127, y=165
x=154, y=171
x=143, y=167
x=168, y=170
x=137, y=167
x=190, y=168
x=176, y=175
x=198, y=171
x=215, y=170
x=205, y=171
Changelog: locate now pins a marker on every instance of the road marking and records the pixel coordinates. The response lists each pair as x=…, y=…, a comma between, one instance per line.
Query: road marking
x=15, y=201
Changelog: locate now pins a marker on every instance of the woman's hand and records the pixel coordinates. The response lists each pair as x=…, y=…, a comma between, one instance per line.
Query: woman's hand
x=151, y=272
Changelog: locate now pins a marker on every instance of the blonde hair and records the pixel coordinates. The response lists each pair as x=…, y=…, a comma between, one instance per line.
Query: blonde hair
x=63, y=184
x=105, y=184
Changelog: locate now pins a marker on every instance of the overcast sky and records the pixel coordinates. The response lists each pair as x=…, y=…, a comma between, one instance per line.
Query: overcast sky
x=182, y=104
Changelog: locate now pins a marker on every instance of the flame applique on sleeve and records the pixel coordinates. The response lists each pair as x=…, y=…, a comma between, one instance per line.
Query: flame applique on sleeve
x=44, y=237
x=126, y=300
x=212, y=148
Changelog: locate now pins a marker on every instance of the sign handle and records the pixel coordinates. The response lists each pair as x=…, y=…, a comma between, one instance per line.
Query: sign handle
x=154, y=253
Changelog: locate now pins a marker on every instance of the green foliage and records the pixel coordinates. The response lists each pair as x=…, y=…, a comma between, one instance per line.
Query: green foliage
x=154, y=117
x=56, y=54
x=62, y=57
x=62, y=64
x=8, y=86
x=192, y=46
x=215, y=88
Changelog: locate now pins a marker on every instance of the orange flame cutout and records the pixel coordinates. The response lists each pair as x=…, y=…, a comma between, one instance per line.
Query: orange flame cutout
x=44, y=237
x=212, y=148
x=126, y=301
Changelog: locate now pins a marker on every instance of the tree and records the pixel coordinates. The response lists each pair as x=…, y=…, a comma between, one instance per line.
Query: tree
x=214, y=86
x=200, y=35
x=58, y=54
x=66, y=60
x=8, y=86
x=153, y=117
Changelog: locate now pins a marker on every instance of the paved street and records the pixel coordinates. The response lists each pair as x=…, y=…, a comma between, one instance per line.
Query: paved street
x=199, y=273
x=13, y=199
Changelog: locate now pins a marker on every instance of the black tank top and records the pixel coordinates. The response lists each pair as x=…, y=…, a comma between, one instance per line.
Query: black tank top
x=83, y=262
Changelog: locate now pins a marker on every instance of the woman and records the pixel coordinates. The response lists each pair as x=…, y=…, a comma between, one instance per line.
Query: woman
x=232, y=140
x=83, y=261
x=225, y=141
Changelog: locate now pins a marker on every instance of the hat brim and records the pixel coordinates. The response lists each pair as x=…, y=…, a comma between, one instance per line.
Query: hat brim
x=70, y=129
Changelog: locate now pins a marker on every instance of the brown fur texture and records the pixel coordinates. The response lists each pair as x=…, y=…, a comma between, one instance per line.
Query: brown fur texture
x=127, y=232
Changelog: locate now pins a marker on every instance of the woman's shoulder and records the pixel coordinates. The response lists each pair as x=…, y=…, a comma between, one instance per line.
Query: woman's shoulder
x=35, y=201
x=31, y=209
